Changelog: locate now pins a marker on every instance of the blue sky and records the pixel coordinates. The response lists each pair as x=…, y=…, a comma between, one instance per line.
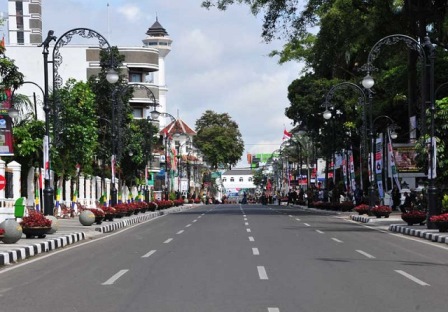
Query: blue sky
x=218, y=60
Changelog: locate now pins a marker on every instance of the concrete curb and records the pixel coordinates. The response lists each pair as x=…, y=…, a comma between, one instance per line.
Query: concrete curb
x=360, y=218
x=432, y=235
x=24, y=252
x=24, y=249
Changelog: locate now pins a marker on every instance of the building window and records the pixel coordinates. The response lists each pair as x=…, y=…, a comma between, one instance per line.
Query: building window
x=250, y=179
x=232, y=179
x=224, y=179
x=137, y=112
x=241, y=179
x=20, y=37
x=149, y=78
x=135, y=77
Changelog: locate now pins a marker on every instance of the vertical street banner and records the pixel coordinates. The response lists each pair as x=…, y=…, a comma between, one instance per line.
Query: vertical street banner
x=344, y=171
x=393, y=172
x=379, y=165
x=46, y=154
x=112, y=166
x=352, y=170
x=431, y=148
x=6, y=142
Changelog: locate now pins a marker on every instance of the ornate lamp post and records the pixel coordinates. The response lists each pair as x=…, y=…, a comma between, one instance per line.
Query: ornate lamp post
x=362, y=101
x=112, y=77
x=428, y=58
x=155, y=115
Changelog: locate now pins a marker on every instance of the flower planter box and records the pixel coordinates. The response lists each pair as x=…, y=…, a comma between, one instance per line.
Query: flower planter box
x=412, y=218
x=40, y=232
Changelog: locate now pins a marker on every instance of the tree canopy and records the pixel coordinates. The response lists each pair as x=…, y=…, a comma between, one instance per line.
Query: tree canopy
x=219, y=139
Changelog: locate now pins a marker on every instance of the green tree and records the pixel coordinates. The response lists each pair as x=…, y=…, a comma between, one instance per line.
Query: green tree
x=219, y=139
x=79, y=136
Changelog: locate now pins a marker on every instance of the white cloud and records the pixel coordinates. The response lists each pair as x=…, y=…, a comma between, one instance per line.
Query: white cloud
x=131, y=12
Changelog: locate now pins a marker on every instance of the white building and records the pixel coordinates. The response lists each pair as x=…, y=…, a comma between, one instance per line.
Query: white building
x=80, y=57
x=236, y=181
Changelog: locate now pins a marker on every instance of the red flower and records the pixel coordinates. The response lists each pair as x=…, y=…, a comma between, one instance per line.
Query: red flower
x=97, y=212
x=382, y=209
x=35, y=219
x=439, y=218
x=362, y=208
x=414, y=213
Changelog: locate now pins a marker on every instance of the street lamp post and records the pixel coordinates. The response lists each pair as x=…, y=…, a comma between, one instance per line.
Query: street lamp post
x=428, y=68
x=111, y=77
x=361, y=101
x=115, y=155
x=155, y=115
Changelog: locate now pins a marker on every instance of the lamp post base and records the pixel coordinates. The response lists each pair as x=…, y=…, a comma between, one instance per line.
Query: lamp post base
x=113, y=197
x=433, y=207
x=48, y=201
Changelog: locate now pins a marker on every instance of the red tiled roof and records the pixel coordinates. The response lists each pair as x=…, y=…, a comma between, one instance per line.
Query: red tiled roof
x=178, y=126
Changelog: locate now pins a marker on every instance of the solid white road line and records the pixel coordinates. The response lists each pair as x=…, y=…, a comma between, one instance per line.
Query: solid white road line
x=262, y=273
x=337, y=240
x=255, y=251
x=273, y=310
x=180, y=232
x=251, y=239
x=307, y=224
x=168, y=240
x=320, y=232
x=365, y=254
x=412, y=278
x=248, y=230
x=149, y=254
x=112, y=280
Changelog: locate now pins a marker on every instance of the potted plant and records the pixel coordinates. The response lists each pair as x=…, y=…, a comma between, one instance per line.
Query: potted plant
x=35, y=224
x=362, y=209
x=99, y=214
x=109, y=213
x=441, y=222
x=414, y=217
x=381, y=211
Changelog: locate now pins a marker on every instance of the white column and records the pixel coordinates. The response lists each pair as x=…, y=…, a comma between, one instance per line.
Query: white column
x=107, y=188
x=68, y=199
x=88, y=191
x=17, y=186
x=81, y=195
x=98, y=185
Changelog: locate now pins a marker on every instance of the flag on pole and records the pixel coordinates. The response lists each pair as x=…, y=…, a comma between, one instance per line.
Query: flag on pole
x=286, y=135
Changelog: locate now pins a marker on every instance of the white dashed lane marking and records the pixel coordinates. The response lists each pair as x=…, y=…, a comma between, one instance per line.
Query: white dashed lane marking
x=168, y=240
x=114, y=278
x=149, y=254
x=255, y=251
x=337, y=240
x=412, y=278
x=262, y=273
x=365, y=254
x=251, y=239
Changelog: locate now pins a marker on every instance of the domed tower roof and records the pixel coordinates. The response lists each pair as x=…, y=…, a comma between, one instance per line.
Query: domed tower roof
x=156, y=30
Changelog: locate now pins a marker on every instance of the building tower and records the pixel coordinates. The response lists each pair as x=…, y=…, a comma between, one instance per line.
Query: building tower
x=157, y=37
x=25, y=22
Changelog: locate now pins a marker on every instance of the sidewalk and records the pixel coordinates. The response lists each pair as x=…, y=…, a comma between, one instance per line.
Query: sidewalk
x=72, y=231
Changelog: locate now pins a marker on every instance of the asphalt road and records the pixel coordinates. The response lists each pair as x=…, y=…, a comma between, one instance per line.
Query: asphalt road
x=235, y=258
